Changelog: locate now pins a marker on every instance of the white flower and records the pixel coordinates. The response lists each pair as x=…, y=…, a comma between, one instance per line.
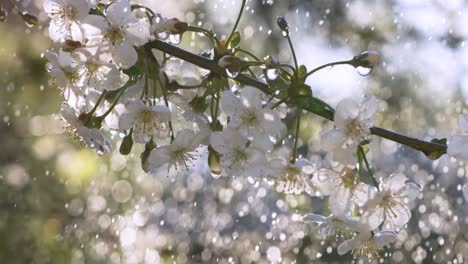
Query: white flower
x=94, y=70
x=367, y=244
x=292, y=178
x=247, y=115
x=352, y=124
x=92, y=137
x=65, y=18
x=180, y=154
x=121, y=32
x=237, y=157
x=330, y=225
x=184, y=73
x=457, y=146
x=344, y=188
x=147, y=121
x=390, y=205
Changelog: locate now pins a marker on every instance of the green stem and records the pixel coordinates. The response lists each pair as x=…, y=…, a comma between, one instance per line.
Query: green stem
x=122, y=90
x=293, y=53
x=167, y=105
x=328, y=65
x=248, y=53
x=101, y=97
x=147, y=9
x=363, y=154
x=237, y=21
x=205, y=32
x=206, y=63
x=298, y=126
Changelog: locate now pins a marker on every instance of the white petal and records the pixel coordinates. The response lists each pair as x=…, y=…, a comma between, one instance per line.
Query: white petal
x=372, y=218
x=124, y=56
x=126, y=120
x=397, y=217
x=368, y=107
x=251, y=97
x=363, y=193
x=346, y=110
x=340, y=203
x=333, y=139
x=184, y=139
x=118, y=13
x=137, y=32
x=384, y=238
x=158, y=157
x=314, y=218
x=395, y=182
x=348, y=245
x=230, y=104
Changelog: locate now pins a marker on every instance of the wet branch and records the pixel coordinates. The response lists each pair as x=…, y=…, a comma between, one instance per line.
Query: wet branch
x=431, y=149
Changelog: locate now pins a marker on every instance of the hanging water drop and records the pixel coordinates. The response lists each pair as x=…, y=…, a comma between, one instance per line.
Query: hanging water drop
x=272, y=74
x=174, y=39
x=232, y=73
x=363, y=71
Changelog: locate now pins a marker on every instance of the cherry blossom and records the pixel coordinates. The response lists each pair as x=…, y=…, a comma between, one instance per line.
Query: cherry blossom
x=147, y=121
x=120, y=31
x=66, y=17
x=92, y=137
x=250, y=118
x=238, y=155
x=367, y=244
x=352, y=125
x=390, y=206
x=180, y=154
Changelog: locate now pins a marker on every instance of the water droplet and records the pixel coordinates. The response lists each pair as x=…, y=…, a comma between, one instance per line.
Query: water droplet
x=3, y=14
x=363, y=71
x=272, y=74
x=284, y=33
x=215, y=175
x=232, y=73
x=174, y=39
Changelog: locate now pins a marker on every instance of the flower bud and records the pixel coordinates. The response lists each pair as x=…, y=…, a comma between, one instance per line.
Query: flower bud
x=173, y=25
x=367, y=59
x=282, y=23
x=29, y=19
x=3, y=14
x=71, y=45
x=271, y=61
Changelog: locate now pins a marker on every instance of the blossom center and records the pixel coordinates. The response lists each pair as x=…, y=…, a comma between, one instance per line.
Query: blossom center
x=182, y=158
x=355, y=129
x=115, y=36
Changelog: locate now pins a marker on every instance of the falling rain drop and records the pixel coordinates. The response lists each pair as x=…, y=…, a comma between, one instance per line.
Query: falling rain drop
x=363, y=71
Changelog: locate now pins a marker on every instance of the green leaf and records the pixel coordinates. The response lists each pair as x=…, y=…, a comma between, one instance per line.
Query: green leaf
x=314, y=105
x=234, y=40
x=127, y=144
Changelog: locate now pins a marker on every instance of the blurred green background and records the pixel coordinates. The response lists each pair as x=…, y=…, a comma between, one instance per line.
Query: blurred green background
x=61, y=203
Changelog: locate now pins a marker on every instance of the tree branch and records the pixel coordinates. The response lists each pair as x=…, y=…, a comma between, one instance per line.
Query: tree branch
x=431, y=149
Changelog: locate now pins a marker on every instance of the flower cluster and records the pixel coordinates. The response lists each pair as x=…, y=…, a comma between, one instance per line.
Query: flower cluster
x=114, y=81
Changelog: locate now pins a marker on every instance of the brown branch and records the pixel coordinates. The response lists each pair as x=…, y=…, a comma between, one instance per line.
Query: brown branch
x=431, y=149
